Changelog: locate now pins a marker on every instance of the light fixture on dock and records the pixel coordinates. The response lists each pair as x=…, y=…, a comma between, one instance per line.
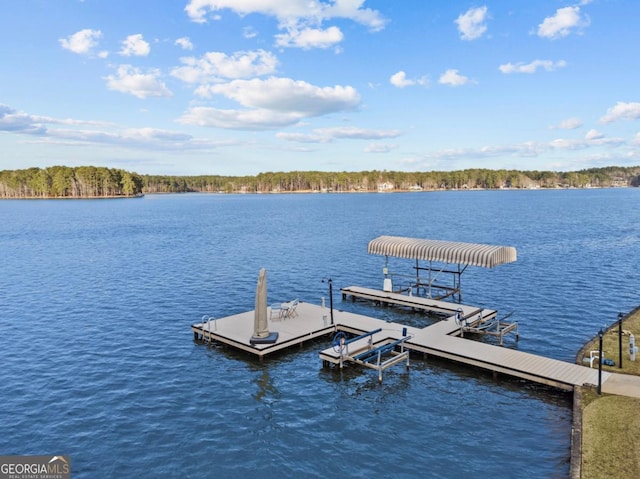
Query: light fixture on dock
x=620, y=317
x=330, y=297
x=600, y=335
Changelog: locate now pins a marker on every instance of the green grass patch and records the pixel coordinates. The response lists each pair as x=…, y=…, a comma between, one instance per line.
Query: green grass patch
x=611, y=349
x=610, y=432
x=611, y=424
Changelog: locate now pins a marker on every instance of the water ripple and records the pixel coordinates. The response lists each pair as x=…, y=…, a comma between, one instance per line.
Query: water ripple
x=99, y=363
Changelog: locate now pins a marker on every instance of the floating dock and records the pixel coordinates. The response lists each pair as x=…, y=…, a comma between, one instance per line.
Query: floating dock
x=311, y=321
x=440, y=340
x=428, y=305
x=379, y=344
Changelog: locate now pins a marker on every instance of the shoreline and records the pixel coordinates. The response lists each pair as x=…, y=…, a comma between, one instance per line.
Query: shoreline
x=303, y=192
x=115, y=197
x=580, y=402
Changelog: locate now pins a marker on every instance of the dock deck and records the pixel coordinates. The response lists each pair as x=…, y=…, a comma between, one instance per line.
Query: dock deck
x=310, y=322
x=437, y=340
x=434, y=306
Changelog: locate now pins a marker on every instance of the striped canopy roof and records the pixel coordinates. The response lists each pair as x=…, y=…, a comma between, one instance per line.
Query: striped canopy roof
x=484, y=255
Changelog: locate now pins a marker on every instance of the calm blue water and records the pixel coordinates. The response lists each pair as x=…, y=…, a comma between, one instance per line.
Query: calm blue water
x=98, y=361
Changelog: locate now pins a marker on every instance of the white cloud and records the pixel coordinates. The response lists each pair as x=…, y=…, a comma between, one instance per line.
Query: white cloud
x=529, y=149
x=472, y=23
x=327, y=135
x=352, y=10
x=562, y=23
x=285, y=94
x=271, y=103
x=214, y=66
x=290, y=10
x=352, y=132
x=593, y=139
x=310, y=38
x=131, y=80
x=19, y=122
x=184, y=43
x=301, y=137
x=593, y=135
x=81, y=42
x=249, y=32
x=379, y=148
x=453, y=78
x=532, y=67
x=257, y=119
x=301, y=20
x=135, y=45
x=400, y=80
x=569, y=124
x=99, y=133
x=566, y=144
x=622, y=111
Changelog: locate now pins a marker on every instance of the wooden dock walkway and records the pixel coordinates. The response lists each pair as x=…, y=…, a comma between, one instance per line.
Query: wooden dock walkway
x=434, y=306
x=437, y=340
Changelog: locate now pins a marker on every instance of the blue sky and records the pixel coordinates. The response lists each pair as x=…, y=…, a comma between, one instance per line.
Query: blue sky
x=239, y=87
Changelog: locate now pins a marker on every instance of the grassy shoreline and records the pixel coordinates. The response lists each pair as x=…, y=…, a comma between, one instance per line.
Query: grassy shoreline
x=607, y=444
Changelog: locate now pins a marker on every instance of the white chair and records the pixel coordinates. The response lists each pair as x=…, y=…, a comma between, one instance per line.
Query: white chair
x=277, y=310
x=289, y=309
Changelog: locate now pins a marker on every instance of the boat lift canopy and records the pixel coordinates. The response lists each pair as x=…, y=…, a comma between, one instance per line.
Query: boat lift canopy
x=446, y=252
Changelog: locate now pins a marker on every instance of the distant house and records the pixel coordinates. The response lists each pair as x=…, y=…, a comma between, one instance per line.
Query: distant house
x=382, y=187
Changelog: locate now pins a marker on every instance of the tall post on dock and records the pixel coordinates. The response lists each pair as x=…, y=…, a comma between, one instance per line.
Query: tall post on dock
x=331, y=299
x=600, y=335
x=620, y=316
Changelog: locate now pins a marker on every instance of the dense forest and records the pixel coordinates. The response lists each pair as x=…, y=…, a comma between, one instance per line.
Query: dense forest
x=371, y=181
x=91, y=182
x=66, y=182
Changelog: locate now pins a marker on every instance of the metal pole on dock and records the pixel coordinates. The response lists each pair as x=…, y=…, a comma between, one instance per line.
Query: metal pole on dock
x=620, y=316
x=331, y=299
x=330, y=281
x=600, y=335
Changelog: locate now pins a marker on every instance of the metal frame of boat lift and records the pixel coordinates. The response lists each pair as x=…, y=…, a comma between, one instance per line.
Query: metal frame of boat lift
x=372, y=357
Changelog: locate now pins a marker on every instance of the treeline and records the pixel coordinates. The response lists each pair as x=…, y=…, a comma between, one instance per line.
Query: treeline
x=370, y=181
x=89, y=181
x=67, y=182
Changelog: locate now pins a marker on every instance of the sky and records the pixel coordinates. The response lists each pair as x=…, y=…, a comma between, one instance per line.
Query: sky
x=241, y=87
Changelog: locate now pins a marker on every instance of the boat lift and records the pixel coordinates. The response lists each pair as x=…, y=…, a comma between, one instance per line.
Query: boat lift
x=441, y=257
x=497, y=327
x=378, y=357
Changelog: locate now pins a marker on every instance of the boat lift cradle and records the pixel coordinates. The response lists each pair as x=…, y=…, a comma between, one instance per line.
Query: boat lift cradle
x=378, y=357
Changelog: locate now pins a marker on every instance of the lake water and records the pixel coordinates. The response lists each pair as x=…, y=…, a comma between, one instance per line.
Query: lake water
x=98, y=359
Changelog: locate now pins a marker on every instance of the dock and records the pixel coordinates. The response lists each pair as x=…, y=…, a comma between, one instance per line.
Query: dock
x=311, y=322
x=440, y=340
x=428, y=305
x=373, y=343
